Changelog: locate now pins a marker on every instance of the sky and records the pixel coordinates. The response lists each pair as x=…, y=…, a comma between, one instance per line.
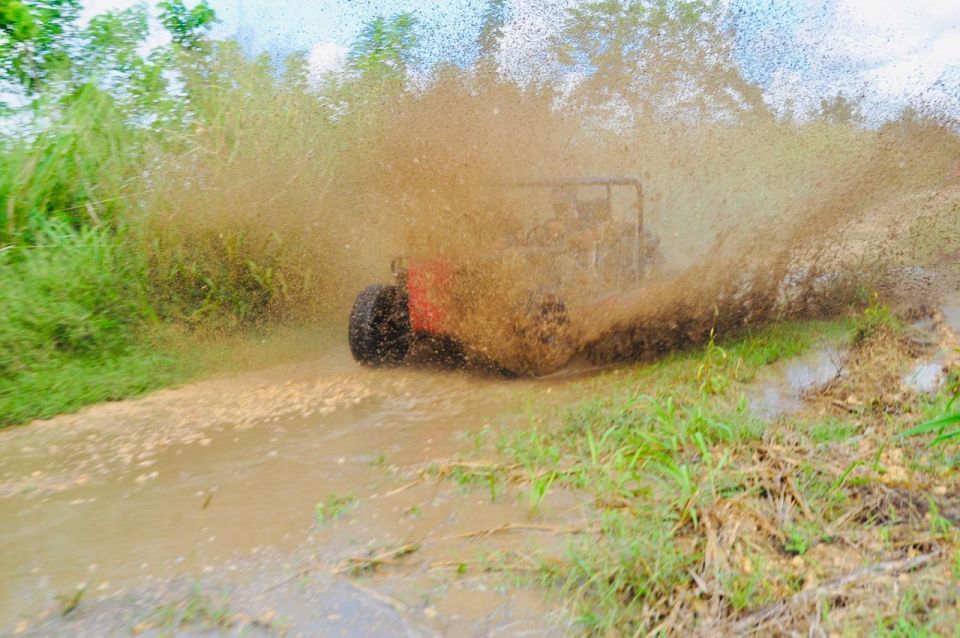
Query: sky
x=886, y=52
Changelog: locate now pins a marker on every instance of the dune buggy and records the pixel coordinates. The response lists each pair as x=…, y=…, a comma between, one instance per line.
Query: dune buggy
x=580, y=242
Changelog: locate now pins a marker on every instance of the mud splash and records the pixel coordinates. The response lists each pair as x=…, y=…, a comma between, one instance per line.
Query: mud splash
x=292, y=204
x=848, y=220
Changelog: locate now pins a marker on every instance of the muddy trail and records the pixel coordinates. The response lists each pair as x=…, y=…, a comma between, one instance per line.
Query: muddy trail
x=316, y=498
x=246, y=504
x=267, y=484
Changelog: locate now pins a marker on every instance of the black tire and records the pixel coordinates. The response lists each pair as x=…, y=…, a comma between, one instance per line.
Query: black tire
x=380, y=326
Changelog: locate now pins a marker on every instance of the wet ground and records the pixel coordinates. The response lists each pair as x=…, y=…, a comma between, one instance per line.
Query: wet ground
x=282, y=476
x=303, y=500
x=782, y=387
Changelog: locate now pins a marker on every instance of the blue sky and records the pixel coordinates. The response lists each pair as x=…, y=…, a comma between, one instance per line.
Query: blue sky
x=887, y=51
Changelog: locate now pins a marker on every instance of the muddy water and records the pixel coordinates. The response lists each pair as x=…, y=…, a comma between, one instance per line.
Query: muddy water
x=187, y=481
x=782, y=387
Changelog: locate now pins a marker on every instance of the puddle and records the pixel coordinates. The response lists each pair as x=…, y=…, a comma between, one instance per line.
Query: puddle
x=951, y=314
x=925, y=377
x=254, y=601
x=186, y=481
x=274, y=596
x=782, y=386
x=939, y=336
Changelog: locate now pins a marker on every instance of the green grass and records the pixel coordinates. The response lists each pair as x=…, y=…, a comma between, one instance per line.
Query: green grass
x=655, y=451
x=78, y=329
x=666, y=454
x=875, y=318
x=200, y=610
x=334, y=507
x=76, y=326
x=69, y=384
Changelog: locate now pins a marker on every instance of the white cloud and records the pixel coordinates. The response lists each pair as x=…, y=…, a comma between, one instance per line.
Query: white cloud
x=902, y=51
x=918, y=69
x=327, y=57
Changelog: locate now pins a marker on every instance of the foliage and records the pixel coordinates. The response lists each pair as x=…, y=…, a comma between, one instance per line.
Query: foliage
x=384, y=49
x=696, y=518
x=233, y=192
x=34, y=40
x=333, y=508
x=187, y=27
x=78, y=170
x=940, y=426
x=655, y=457
x=650, y=57
x=875, y=319
x=495, y=15
x=249, y=241
x=75, y=312
x=48, y=56
x=200, y=609
x=74, y=294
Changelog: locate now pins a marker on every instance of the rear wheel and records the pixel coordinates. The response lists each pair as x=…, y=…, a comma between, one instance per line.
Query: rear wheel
x=380, y=326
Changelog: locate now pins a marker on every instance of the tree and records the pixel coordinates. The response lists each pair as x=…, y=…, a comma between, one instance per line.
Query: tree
x=34, y=40
x=494, y=19
x=187, y=27
x=649, y=57
x=839, y=110
x=384, y=49
x=110, y=58
x=46, y=55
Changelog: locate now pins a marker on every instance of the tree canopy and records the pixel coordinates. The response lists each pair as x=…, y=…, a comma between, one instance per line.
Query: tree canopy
x=645, y=56
x=46, y=52
x=385, y=47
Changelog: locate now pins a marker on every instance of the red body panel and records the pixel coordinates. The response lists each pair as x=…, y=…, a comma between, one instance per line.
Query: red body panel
x=428, y=284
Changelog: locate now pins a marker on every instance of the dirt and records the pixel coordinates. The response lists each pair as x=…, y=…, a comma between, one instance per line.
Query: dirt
x=321, y=498
x=305, y=474
x=188, y=485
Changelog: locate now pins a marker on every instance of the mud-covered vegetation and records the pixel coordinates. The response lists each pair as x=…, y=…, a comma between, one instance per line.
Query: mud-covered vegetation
x=699, y=516
x=194, y=190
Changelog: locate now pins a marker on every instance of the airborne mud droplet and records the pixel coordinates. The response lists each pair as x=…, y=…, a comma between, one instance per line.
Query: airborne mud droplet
x=300, y=195
x=750, y=228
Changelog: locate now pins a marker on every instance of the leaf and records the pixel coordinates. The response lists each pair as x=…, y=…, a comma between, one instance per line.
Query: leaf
x=69, y=603
x=947, y=436
x=935, y=425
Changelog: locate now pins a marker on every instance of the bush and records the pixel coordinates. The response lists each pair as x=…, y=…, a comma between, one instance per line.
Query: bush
x=74, y=311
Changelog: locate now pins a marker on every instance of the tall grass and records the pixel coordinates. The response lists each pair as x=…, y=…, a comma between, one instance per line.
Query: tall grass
x=273, y=199
x=82, y=168
x=110, y=228
x=241, y=225
x=75, y=319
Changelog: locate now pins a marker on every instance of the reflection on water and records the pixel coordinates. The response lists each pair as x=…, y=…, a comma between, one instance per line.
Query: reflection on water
x=783, y=385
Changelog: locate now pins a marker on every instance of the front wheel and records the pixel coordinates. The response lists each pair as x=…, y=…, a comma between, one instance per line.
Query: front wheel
x=380, y=325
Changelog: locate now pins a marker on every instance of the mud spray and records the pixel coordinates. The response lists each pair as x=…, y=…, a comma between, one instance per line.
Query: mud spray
x=304, y=201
